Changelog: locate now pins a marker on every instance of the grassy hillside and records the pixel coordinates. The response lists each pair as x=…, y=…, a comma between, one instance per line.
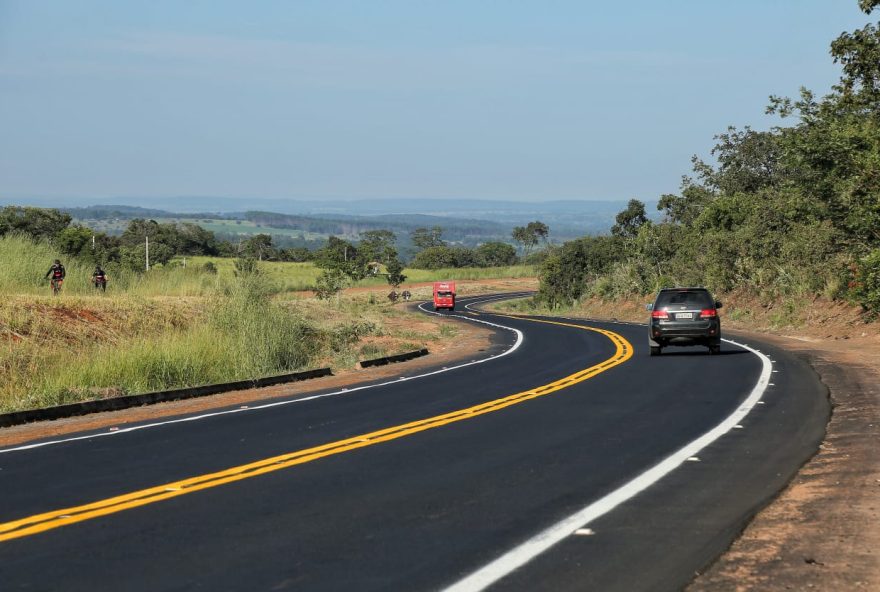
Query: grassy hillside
x=182, y=326
x=302, y=276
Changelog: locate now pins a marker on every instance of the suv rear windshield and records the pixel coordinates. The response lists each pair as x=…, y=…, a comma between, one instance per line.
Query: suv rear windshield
x=694, y=298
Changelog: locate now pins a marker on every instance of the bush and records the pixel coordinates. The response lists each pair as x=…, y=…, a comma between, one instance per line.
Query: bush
x=866, y=285
x=345, y=335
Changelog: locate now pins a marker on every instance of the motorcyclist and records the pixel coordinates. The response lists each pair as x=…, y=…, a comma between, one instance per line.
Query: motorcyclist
x=99, y=278
x=57, y=273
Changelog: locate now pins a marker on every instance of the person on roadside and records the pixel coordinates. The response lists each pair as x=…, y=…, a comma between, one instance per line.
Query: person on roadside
x=56, y=275
x=99, y=278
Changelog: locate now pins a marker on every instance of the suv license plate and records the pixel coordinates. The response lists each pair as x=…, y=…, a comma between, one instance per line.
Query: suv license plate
x=684, y=315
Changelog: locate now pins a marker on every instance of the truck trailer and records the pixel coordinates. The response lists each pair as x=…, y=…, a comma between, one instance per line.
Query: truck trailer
x=444, y=295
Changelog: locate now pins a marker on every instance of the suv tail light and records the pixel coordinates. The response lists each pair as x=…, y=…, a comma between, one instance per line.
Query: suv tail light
x=659, y=314
x=708, y=313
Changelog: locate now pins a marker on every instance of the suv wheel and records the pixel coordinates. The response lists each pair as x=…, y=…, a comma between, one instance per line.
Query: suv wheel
x=715, y=349
x=655, y=350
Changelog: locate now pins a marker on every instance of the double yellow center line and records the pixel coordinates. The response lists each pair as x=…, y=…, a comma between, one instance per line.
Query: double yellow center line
x=58, y=518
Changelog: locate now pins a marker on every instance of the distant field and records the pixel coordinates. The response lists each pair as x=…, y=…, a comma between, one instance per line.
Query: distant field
x=302, y=276
x=284, y=275
x=218, y=226
x=246, y=227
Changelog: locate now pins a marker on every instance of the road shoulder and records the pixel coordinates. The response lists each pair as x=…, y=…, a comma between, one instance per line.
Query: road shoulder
x=821, y=531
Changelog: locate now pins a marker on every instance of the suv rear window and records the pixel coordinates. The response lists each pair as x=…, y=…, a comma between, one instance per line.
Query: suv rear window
x=695, y=298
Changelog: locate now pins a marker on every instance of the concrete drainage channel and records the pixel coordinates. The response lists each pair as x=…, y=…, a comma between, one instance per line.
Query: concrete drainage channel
x=128, y=401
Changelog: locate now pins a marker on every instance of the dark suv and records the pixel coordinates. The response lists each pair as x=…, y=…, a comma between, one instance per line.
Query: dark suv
x=684, y=316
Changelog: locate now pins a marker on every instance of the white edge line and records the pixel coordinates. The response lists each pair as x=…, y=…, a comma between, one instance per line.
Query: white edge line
x=538, y=544
x=519, y=340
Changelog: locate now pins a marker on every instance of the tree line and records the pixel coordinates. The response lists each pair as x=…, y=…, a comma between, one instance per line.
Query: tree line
x=794, y=210
x=343, y=261
x=166, y=240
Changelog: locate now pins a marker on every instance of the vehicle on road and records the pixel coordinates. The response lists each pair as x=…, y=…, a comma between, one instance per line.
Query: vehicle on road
x=684, y=316
x=444, y=295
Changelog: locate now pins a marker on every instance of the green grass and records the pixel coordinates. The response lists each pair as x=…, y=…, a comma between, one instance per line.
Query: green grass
x=240, y=334
x=25, y=263
x=180, y=326
x=469, y=273
x=302, y=276
x=281, y=275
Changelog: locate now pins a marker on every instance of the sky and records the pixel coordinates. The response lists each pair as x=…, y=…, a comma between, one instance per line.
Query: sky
x=299, y=99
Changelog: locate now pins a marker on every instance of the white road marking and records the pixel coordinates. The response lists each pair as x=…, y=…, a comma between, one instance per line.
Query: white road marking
x=544, y=540
x=117, y=431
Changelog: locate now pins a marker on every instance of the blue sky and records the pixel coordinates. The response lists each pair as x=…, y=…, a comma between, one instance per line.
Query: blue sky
x=521, y=100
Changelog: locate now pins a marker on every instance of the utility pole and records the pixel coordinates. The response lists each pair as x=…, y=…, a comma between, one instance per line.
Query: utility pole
x=148, y=251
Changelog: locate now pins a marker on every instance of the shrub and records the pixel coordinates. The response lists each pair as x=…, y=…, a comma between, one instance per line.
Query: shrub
x=866, y=285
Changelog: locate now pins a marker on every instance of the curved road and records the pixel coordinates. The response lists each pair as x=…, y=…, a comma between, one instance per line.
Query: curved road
x=565, y=458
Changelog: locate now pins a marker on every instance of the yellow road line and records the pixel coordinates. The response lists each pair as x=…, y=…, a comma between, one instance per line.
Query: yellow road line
x=58, y=518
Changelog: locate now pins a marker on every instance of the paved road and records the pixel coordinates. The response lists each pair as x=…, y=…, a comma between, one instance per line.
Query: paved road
x=565, y=458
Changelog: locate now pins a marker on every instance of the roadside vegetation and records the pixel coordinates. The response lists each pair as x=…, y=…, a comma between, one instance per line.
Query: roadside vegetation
x=785, y=214
x=214, y=320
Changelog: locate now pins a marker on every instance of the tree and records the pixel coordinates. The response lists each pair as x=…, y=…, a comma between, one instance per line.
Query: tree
x=748, y=161
x=329, y=283
x=38, y=223
x=566, y=272
x=295, y=254
x=162, y=243
x=630, y=220
x=74, y=240
x=259, y=247
x=342, y=256
x=530, y=235
x=684, y=209
x=378, y=245
x=88, y=245
x=424, y=238
x=440, y=257
x=495, y=254
x=192, y=239
x=395, y=275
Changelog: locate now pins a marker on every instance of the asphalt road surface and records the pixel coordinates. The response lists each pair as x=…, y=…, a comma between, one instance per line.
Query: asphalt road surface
x=563, y=458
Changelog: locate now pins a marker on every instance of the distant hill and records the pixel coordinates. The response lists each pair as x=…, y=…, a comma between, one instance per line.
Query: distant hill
x=123, y=212
x=566, y=218
x=455, y=229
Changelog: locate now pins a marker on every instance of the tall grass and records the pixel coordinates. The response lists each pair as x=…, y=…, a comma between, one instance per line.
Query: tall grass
x=25, y=263
x=287, y=276
x=177, y=326
x=243, y=334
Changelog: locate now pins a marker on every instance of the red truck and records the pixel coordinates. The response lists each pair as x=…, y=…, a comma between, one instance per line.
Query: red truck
x=444, y=295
